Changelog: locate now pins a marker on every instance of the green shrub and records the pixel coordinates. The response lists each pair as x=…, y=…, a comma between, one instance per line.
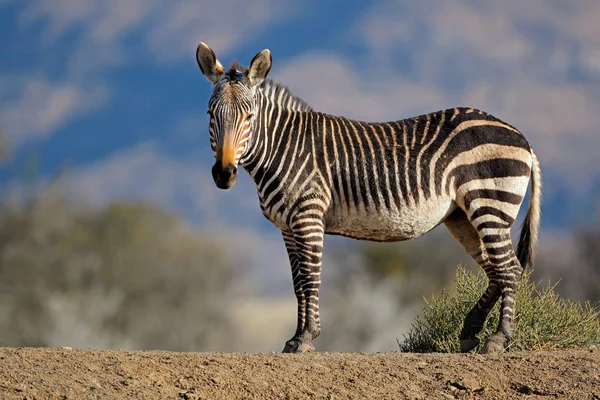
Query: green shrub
x=543, y=319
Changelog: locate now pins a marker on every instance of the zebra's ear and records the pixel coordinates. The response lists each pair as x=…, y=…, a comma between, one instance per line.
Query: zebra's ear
x=208, y=63
x=259, y=67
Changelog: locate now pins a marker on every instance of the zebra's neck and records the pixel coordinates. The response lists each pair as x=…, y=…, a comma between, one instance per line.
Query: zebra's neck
x=276, y=100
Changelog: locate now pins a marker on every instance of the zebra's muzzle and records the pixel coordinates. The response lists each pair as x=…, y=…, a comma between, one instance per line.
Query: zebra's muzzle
x=224, y=177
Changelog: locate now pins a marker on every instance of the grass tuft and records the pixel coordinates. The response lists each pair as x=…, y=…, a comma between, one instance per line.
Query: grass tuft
x=543, y=319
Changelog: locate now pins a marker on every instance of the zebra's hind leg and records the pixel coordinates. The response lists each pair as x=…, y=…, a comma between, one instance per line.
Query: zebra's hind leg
x=497, y=257
x=507, y=272
x=464, y=232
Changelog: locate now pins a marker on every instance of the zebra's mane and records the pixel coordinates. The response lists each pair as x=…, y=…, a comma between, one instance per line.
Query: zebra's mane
x=281, y=94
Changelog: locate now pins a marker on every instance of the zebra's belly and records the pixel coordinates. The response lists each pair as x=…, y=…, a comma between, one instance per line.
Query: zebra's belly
x=389, y=225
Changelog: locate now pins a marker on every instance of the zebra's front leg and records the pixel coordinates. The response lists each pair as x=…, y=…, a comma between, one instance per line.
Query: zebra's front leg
x=290, y=245
x=308, y=240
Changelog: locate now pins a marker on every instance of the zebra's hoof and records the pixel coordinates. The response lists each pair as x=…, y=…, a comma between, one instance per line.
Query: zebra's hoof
x=305, y=347
x=466, y=345
x=297, y=346
x=495, y=344
x=290, y=346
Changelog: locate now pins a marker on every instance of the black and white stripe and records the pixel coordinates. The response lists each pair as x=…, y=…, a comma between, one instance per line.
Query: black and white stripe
x=320, y=174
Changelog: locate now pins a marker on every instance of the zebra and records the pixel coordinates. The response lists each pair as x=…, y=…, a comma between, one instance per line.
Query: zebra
x=392, y=181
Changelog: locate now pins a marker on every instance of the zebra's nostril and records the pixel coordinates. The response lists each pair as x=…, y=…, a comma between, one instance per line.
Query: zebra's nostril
x=228, y=172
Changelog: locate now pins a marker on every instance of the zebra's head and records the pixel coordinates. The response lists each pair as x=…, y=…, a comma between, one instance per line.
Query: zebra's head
x=232, y=108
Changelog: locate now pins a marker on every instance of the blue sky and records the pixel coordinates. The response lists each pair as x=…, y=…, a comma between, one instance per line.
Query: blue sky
x=111, y=88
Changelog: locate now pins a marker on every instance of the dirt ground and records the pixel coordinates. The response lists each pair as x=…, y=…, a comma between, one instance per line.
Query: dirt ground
x=55, y=373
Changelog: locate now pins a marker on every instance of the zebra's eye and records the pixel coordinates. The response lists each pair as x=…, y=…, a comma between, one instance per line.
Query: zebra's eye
x=210, y=113
x=249, y=117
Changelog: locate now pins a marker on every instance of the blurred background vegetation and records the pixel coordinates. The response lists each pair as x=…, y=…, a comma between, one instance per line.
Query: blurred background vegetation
x=133, y=275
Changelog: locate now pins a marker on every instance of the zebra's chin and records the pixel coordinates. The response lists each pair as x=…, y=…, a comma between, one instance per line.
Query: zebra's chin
x=226, y=185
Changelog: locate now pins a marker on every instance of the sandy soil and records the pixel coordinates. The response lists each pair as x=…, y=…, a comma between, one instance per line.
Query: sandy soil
x=51, y=373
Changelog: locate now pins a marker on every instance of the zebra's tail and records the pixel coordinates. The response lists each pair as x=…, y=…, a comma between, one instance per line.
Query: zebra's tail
x=529, y=230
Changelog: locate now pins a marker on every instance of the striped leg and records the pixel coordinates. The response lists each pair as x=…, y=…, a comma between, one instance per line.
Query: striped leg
x=475, y=319
x=308, y=235
x=490, y=199
x=464, y=232
x=290, y=244
x=507, y=272
x=499, y=261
